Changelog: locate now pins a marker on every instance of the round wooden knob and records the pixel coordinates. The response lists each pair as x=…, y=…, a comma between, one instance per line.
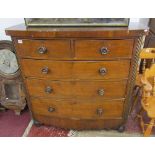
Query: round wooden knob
x=45, y=70
x=50, y=109
x=101, y=92
x=48, y=90
x=104, y=50
x=99, y=111
x=42, y=50
x=102, y=71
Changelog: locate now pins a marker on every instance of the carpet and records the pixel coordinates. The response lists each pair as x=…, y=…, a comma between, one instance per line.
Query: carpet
x=12, y=125
x=46, y=131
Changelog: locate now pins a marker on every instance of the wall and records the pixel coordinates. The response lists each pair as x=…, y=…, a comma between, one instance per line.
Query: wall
x=8, y=22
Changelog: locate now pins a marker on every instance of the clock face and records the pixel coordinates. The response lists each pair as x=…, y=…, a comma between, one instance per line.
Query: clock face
x=8, y=62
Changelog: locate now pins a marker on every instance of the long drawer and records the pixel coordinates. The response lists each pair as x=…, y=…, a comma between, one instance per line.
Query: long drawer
x=76, y=89
x=76, y=70
x=81, y=49
x=75, y=109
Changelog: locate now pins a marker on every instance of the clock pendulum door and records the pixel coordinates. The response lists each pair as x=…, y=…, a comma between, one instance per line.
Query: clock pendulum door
x=12, y=94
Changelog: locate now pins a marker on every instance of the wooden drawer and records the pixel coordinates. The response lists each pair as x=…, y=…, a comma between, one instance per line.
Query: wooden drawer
x=100, y=49
x=43, y=49
x=76, y=70
x=86, y=109
x=76, y=89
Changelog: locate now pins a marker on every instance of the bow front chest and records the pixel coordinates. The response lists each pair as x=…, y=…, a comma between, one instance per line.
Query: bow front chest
x=79, y=78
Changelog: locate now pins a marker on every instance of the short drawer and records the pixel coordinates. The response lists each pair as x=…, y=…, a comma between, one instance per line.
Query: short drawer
x=76, y=89
x=76, y=109
x=43, y=49
x=76, y=69
x=101, y=49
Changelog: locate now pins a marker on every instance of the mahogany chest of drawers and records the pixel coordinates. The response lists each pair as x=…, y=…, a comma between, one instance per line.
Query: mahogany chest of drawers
x=79, y=78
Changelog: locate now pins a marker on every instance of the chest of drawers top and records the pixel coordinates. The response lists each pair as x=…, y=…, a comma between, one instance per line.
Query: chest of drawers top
x=133, y=30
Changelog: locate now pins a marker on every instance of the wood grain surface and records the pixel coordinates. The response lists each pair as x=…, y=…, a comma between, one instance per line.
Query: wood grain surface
x=76, y=89
x=78, y=109
x=76, y=69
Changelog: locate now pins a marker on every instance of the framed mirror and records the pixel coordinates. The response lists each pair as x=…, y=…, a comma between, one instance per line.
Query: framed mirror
x=38, y=22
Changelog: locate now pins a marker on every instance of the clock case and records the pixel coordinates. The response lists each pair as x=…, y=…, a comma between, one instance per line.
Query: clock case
x=12, y=92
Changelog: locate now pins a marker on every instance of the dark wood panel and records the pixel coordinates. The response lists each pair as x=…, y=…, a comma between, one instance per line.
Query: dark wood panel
x=152, y=25
x=133, y=30
x=76, y=70
x=91, y=109
x=76, y=89
x=150, y=41
x=101, y=49
x=79, y=124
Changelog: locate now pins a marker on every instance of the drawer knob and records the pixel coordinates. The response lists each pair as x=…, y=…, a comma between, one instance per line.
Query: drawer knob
x=48, y=90
x=42, y=50
x=101, y=92
x=104, y=50
x=102, y=71
x=50, y=109
x=99, y=111
x=45, y=70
